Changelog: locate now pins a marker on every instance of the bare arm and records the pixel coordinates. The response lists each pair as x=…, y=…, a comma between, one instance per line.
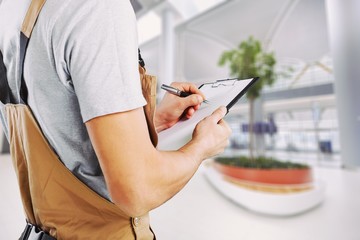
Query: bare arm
x=138, y=176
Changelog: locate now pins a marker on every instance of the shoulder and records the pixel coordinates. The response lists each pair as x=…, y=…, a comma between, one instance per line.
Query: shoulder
x=76, y=10
x=76, y=18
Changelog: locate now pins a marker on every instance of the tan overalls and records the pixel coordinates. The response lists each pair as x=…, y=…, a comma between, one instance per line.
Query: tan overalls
x=53, y=198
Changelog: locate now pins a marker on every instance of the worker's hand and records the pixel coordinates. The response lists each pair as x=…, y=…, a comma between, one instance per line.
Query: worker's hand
x=172, y=108
x=211, y=135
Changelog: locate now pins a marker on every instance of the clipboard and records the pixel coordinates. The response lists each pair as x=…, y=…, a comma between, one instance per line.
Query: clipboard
x=224, y=92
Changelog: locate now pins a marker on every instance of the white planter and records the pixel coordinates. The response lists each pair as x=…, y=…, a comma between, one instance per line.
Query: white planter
x=266, y=202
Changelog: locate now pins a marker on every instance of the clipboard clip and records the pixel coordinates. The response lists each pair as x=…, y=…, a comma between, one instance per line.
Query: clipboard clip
x=225, y=82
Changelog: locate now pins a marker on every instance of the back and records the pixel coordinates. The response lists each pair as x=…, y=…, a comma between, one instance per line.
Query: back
x=81, y=63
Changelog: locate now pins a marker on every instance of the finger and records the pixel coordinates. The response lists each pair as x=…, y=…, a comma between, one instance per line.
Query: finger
x=193, y=100
x=218, y=114
x=188, y=87
x=196, y=107
x=195, y=90
x=190, y=112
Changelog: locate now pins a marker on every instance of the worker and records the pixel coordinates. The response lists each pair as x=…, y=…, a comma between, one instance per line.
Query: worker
x=85, y=145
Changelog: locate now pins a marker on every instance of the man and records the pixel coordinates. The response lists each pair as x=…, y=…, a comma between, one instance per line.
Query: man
x=81, y=73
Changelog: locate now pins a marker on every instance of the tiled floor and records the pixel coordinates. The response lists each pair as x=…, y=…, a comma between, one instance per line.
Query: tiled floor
x=200, y=212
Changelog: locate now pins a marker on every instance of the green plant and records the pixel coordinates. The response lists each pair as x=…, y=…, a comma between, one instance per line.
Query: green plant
x=249, y=60
x=259, y=162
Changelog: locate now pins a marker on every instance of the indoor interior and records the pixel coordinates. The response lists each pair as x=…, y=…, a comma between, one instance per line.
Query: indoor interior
x=313, y=105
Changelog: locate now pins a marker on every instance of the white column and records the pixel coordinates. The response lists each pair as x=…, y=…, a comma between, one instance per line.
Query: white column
x=344, y=31
x=316, y=112
x=167, y=47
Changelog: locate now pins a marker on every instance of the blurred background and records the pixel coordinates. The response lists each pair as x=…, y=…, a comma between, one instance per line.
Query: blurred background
x=310, y=113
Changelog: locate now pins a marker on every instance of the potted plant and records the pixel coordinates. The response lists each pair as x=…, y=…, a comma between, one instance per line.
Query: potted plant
x=246, y=61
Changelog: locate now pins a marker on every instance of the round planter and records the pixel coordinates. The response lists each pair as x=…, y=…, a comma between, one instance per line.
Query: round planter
x=268, y=176
x=266, y=202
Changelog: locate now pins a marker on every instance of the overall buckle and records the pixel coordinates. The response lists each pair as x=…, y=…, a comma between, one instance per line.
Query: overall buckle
x=31, y=232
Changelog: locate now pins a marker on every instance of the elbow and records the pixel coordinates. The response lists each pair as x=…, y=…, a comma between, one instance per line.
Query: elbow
x=133, y=202
x=132, y=209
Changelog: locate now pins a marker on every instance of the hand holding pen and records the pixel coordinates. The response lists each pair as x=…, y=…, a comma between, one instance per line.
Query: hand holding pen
x=177, y=92
x=172, y=108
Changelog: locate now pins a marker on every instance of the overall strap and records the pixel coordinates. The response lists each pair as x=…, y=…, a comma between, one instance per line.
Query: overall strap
x=5, y=92
x=25, y=34
x=31, y=17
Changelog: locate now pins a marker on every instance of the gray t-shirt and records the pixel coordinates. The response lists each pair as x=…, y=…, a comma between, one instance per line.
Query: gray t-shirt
x=81, y=63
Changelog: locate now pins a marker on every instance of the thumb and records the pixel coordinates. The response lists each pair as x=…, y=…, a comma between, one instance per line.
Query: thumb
x=218, y=114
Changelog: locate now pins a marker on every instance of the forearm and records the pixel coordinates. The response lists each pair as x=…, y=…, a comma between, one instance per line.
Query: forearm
x=157, y=179
x=172, y=172
x=138, y=176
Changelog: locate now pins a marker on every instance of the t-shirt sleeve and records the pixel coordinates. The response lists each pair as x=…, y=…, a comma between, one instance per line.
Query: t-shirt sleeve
x=99, y=41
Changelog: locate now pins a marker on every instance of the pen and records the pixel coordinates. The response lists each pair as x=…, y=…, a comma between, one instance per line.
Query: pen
x=177, y=92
